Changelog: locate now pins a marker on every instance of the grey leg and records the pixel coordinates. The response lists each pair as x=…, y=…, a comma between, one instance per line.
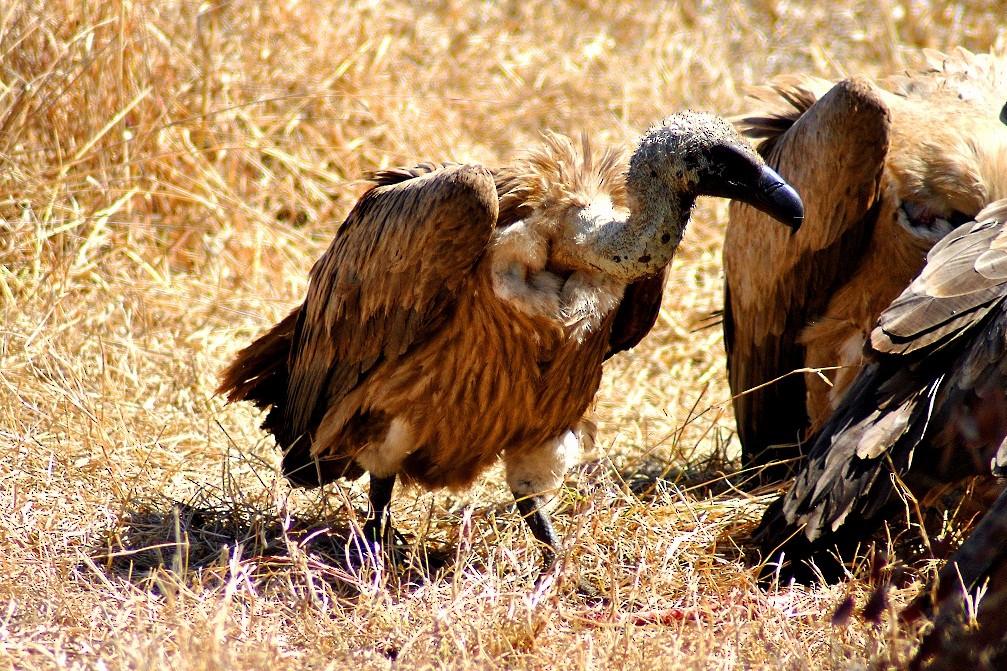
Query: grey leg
x=534, y=476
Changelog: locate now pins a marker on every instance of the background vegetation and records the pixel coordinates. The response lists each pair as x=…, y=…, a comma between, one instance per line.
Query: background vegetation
x=169, y=170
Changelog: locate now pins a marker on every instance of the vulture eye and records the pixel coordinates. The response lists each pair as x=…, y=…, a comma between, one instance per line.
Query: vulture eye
x=923, y=221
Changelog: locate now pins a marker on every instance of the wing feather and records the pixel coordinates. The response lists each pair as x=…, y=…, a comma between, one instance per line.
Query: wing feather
x=964, y=278
x=930, y=407
x=387, y=280
x=834, y=155
x=637, y=313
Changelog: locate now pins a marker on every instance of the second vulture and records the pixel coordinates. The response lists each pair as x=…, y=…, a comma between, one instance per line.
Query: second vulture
x=930, y=407
x=460, y=316
x=886, y=173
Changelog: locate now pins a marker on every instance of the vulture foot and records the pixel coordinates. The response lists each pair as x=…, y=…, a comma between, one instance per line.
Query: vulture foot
x=377, y=547
x=533, y=511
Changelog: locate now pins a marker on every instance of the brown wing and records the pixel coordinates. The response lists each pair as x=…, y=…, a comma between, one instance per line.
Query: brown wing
x=931, y=406
x=388, y=280
x=834, y=155
x=962, y=280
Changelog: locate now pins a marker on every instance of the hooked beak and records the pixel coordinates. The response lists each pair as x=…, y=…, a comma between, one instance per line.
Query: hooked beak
x=741, y=175
x=778, y=199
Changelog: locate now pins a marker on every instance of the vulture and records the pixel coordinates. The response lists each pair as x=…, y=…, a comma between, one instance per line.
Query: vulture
x=462, y=315
x=929, y=407
x=885, y=172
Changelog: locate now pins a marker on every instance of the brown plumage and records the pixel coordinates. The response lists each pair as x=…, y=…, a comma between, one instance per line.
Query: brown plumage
x=930, y=406
x=885, y=173
x=457, y=318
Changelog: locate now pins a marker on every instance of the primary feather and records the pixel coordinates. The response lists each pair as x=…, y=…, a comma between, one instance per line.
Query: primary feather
x=929, y=407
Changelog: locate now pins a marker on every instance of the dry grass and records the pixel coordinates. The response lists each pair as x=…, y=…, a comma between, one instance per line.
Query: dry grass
x=168, y=173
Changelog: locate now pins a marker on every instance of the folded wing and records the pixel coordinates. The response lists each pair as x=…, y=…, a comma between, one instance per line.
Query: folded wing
x=831, y=147
x=389, y=279
x=930, y=407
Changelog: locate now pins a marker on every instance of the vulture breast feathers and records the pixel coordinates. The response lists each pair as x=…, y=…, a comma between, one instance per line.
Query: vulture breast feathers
x=930, y=406
x=886, y=172
x=460, y=315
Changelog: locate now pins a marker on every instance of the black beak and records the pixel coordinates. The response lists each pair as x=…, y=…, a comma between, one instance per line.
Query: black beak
x=741, y=175
x=778, y=199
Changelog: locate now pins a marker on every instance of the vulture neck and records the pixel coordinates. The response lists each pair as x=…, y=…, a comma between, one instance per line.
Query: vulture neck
x=628, y=246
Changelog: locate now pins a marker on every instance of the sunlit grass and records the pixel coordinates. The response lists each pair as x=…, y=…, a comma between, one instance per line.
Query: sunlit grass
x=169, y=171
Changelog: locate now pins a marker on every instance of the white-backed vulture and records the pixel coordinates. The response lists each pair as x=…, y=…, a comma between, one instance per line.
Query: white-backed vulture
x=885, y=173
x=930, y=407
x=457, y=318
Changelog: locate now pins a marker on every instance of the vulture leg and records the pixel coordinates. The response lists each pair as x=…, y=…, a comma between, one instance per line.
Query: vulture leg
x=378, y=530
x=532, y=476
x=533, y=510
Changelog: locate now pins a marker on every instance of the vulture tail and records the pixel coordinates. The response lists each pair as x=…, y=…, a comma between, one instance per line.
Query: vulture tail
x=259, y=372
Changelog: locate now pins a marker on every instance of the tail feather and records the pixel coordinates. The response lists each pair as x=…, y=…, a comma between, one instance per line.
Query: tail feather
x=259, y=373
x=778, y=106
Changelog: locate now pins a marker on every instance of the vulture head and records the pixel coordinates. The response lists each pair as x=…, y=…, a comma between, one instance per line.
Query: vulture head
x=687, y=155
x=694, y=154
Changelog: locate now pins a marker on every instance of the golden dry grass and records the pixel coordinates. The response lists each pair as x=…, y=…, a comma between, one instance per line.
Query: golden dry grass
x=168, y=173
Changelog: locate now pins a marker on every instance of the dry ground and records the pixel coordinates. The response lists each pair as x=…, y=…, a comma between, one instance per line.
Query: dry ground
x=169, y=170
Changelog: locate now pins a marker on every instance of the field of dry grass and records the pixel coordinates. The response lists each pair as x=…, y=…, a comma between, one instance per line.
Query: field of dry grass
x=168, y=173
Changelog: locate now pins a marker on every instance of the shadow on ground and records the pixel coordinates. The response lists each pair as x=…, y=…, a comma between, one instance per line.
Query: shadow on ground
x=203, y=539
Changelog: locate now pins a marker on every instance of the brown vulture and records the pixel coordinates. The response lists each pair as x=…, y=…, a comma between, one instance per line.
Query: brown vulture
x=929, y=407
x=885, y=173
x=458, y=317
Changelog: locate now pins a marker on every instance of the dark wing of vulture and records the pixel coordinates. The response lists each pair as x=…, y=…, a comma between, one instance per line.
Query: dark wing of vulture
x=833, y=152
x=976, y=572
x=388, y=280
x=930, y=407
x=637, y=313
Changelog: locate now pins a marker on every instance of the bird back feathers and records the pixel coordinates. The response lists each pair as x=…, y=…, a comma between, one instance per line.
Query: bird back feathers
x=977, y=79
